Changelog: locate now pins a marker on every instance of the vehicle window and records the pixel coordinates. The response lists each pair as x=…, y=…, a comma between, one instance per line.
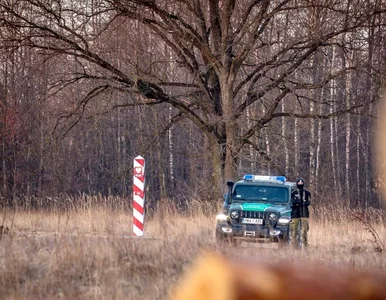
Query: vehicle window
x=262, y=193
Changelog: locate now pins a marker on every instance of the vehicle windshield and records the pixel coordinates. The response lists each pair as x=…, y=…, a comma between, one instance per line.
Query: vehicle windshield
x=260, y=193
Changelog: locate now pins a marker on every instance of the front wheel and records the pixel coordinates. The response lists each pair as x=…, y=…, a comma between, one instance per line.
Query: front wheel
x=283, y=241
x=223, y=240
x=234, y=242
x=226, y=241
x=220, y=240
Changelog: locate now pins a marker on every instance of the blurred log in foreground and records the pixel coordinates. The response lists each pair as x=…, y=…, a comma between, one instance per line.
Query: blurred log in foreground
x=216, y=277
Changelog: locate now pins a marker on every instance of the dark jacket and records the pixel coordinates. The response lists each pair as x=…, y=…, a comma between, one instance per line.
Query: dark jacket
x=301, y=199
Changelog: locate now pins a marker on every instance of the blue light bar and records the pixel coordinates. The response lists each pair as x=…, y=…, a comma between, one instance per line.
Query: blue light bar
x=249, y=177
x=281, y=178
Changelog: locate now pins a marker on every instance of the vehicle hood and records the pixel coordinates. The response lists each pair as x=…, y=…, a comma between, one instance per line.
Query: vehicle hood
x=260, y=206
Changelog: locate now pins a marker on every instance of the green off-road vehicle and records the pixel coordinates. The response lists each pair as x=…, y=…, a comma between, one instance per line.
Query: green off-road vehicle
x=256, y=209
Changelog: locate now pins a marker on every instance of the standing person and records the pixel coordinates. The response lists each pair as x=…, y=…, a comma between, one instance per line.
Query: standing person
x=301, y=200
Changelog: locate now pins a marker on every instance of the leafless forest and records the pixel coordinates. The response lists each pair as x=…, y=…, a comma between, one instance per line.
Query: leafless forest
x=205, y=90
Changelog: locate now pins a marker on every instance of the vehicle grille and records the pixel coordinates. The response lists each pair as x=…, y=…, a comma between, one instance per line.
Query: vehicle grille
x=252, y=214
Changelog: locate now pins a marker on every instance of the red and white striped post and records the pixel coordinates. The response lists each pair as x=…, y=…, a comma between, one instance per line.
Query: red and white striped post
x=138, y=195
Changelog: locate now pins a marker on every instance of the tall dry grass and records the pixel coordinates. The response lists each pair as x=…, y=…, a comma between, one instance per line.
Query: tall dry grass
x=89, y=253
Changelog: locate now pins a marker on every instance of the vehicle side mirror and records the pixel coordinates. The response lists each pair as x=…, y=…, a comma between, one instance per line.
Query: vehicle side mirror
x=230, y=186
x=230, y=183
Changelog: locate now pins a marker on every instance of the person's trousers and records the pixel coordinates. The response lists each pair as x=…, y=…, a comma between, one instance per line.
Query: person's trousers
x=294, y=229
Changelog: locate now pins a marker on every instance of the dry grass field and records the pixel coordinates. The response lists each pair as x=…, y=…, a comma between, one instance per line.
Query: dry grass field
x=89, y=253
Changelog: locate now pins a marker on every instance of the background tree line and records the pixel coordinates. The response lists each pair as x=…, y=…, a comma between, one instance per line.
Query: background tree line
x=205, y=90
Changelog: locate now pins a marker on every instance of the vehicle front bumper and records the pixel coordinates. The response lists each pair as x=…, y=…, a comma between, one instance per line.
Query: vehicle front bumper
x=253, y=233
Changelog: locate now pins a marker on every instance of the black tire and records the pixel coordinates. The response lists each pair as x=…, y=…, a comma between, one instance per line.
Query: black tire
x=221, y=240
x=234, y=242
x=283, y=241
x=227, y=241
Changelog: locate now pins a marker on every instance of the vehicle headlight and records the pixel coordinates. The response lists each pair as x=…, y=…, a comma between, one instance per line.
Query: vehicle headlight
x=235, y=214
x=221, y=217
x=284, y=221
x=272, y=216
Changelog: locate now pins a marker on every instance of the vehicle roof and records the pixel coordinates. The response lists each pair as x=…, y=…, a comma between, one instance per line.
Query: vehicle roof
x=264, y=182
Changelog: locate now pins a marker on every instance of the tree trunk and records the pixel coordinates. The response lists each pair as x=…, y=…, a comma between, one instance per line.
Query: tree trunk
x=252, y=159
x=217, y=161
x=334, y=134
x=332, y=131
x=332, y=142
x=312, y=147
x=337, y=156
x=28, y=183
x=3, y=159
x=161, y=174
x=267, y=145
x=370, y=81
x=320, y=94
x=42, y=129
x=348, y=133
x=170, y=71
x=170, y=144
x=315, y=95
x=318, y=146
x=358, y=184
x=296, y=146
x=3, y=98
x=230, y=167
x=284, y=134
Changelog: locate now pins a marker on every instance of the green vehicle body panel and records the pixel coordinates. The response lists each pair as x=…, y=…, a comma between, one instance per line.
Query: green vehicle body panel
x=256, y=206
